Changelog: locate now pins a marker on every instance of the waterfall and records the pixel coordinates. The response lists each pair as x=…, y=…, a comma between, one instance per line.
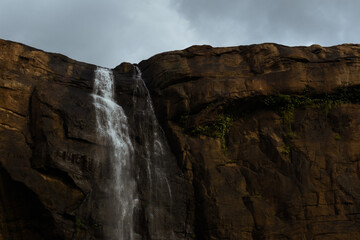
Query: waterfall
x=156, y=147
x=155, y=153
x=113, y=132
x=135, y=193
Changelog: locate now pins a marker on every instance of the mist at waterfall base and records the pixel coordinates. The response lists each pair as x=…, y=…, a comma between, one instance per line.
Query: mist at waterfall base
x=131, y=171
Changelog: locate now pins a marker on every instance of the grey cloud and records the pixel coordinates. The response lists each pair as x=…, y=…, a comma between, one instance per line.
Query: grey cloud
x=101, y=32
x=111, y=31
x=290, y=22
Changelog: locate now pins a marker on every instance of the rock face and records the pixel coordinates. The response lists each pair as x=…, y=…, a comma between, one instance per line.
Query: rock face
x=265, y=139
x=268, y=136
x=51, y=179
x=46, y=162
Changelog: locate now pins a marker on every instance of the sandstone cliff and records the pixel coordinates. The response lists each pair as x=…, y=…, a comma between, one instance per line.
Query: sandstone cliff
x=265, y=139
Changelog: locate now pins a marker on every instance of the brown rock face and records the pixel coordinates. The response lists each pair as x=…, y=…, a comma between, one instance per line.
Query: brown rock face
x=265, y=139
x=52, y=181
x=268, y=136
x=45, y=162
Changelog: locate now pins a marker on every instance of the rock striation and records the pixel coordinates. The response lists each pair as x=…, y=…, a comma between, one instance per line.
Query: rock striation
x=265, y=139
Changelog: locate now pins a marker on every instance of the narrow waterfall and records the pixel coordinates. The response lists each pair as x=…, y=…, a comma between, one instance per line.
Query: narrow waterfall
x=119, y=181
x=155, y=153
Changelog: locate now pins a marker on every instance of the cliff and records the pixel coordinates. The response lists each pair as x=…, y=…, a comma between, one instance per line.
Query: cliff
x=268, y=136
x=53, y=183
x=265, y=139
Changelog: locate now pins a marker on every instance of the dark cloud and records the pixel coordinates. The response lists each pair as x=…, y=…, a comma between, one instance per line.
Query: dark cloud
x=111, y=31
x=290, y=22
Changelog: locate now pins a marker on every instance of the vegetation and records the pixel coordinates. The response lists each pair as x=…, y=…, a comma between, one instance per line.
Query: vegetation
x=217, y=129
x=79, y=223
x=337, y=137
x=285, y=105
x=286, y=149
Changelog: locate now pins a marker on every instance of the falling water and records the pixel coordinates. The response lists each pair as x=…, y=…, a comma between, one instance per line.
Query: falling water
x=131, y=168
x=156, y=147
x=119, y=184
x=155, y=154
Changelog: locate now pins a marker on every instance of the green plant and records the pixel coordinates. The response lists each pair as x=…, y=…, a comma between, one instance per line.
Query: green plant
x=286, y=149
x=258, y=196
x=217, y=129
x=337, y=137
x=79, y=223
x=292, y=134
x=285, y=105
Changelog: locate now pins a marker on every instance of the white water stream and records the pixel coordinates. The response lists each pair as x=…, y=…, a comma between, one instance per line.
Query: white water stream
x=113, y=132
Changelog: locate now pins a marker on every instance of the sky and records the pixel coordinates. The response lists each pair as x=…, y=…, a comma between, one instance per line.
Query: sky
x=108, y=32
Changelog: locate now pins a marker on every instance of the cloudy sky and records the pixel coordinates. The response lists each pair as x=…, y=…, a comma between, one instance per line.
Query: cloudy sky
x=108, y=32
